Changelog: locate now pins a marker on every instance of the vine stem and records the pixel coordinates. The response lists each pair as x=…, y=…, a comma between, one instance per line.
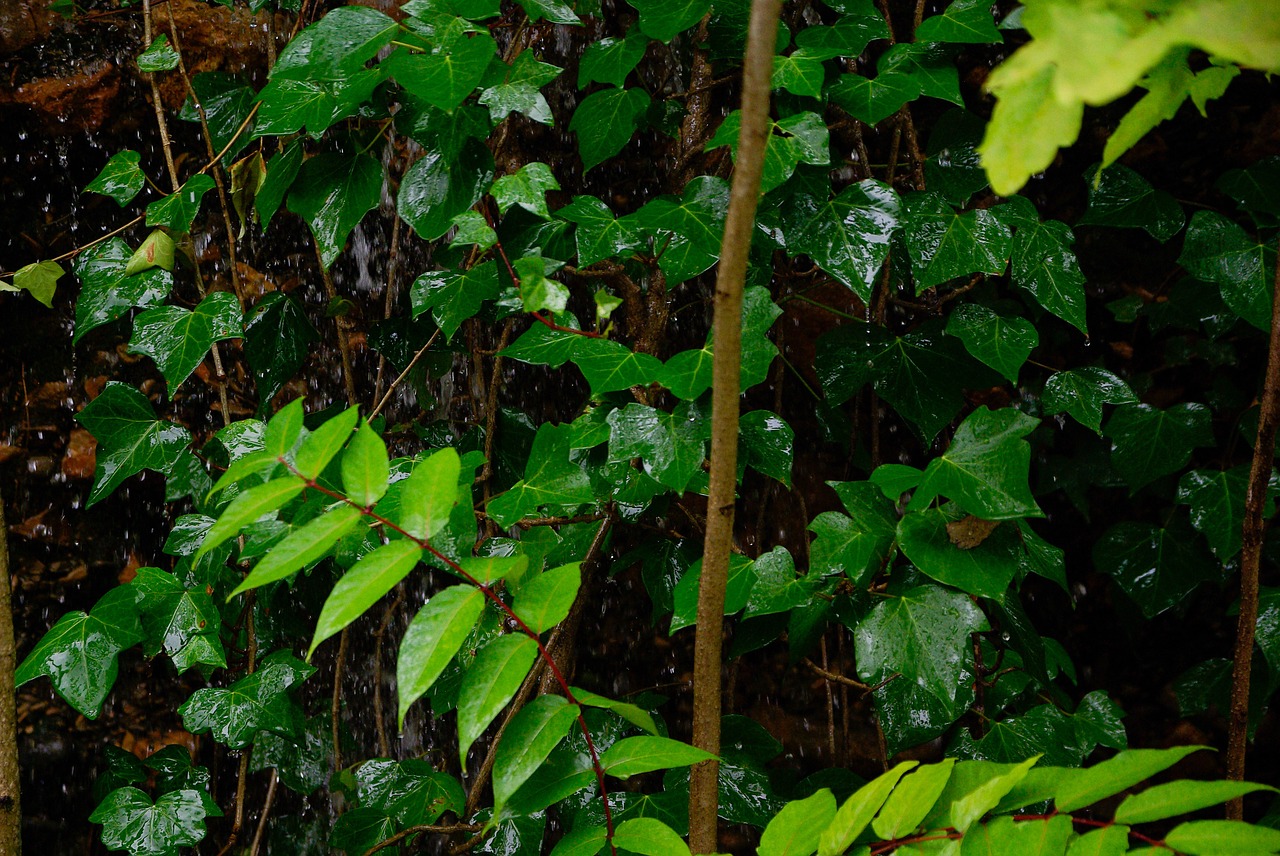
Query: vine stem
x=492, y=595
x=744, y=197
x=382, y=402
x=1253, y=531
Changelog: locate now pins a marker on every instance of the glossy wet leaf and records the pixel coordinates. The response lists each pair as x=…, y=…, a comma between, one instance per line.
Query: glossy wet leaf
x=921, y=374
x=252, y=504
x=953, y=167
x=767, y=444
x=799, y=73
x=289, y=104
x=106, y=292
x=984, y=570
x=610, y=60
x=783, y=151
x=454, y=297
x=777, y=587
x=856, y=812
x=430, y=493
x=555, y=11
x=1156, y=567
x=1217, y=499
x=411, y=791
x=446, y=77
x=39, y=279
x=490, y=683
x=688, y=373
x=963, y=21
x=437, y=189
x=1256, y=188
x=365, y=467
x=1028, y=126
x=550, y=478
x=1213, y=837
x=585, y=840
x=360, y=829
x=121, y=178
x=663, y=19
x=1083, y=788
x=847, y=236
x=302, y=547
x=1082, y=392
x=332, y=193
x=342, y=41
x=649, y=836
x=671, y=446
x=946, y=244
x=1217, y=250
x=1147, y=442
x=634, y=755
x=610, y=366
x=278, y=338
x=159, y=56
x=605, y=121
x=178, y=339
x=323, y=444
x=130, y=821
x=1031, y=837
x=986, y=468
x=1001, y=341
x=1043, y=263
x=79, y=652
x=258, y=701
x=872, y=100
x=742, y=578
x=531, y=735
x=1122, y=197
x=599, y=234
x=517, y=89
x=911, y=800
x=281, y=172
x=543, y=345
x=155, y=251
x=364, y=585
x=303, y=767
x=855, y=544
x=227, y=101
x=527, y=187
x=922, y=633
x=130, y=438
x=930, y=65
x=544, y=601
x=697, y=216
x=180, y=620
x=434, y=636
x=633, y=714
x=177, y=210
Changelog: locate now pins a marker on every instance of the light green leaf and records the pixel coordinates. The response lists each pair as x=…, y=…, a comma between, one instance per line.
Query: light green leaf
x=611, y=366
x=301, y=547
x=631, y=756
x=365, y=467
x=633, y=714
x=912, y=799
x=663, y=19
x=39, y=279
x=434, y=636
x=1028, y=126
x=1115, y=775
x=247, y=507
x=159, y=56
x=364, y=585
x=984, y=570
x=491, y=682
x=155, y=251
x=178, y=209
x=1174, y=798
x=529, y=739
x=527, y=188
x=963, y=21
x=324, y=443
x=544, y=601
x=800, y=73
x=857, y=811
x=610, y=60
x=650, y=837
x=1223, y=838
x=796, y=830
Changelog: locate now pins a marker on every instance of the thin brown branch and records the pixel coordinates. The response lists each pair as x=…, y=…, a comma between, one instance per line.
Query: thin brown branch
x=344, y=343
x=450, y=829
x=266, y=813
x=10, y=774
x=395, y=383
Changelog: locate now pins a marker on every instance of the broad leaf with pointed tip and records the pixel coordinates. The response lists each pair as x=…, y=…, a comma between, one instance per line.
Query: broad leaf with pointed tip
x=527, y=188
x=332, y=193
x=454, y=297
x=227, y=102
x=289, y=104
x=130, y=821
x=633, y=755
x=671, y=446
x=945, y=244
x=516, y=89
x=278, y=338
x=847, y=236
x=106, y=292
x=777, y=587
x=599, y=234
x=688, y=373
x=876, y=99
x=855, y=545
x=159, y=56
x=1122, y=197
x=434, y=636
x=1147, y=442
x=529, y=739
x=799, y=73
x=177, y=210
x=605, y=121
x=1082, y=392
x=446, y=77
x=1002, y=342
x=768, y=445
x=1218, y=251
x=545, y=601
x=79, y=652
x=257, y=702
x=542, y=345
x=930, y=65
x=302, y=547
x=1155, y=567
x=986, y=468
x=364, y=585
x=1043, y=263
x=121, y=178
x=963, y=21
x=663, y=19
x=550, y=478
x=984, y=570
x=342, y=41
x=1256, y=188
x=437, y=189
x=178, y=339
x=610, y=366
x=697, y=216
x=130, y=438
x=39, y=279
x=183, y=621
x=1216, y=498
x=610, y=60
x=491, y=682
x=555, y=11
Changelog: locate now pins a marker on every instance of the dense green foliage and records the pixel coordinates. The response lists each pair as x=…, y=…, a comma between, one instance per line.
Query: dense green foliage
x=959, y=435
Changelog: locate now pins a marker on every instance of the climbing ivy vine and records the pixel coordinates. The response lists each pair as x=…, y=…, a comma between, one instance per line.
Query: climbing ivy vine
x=951, y=374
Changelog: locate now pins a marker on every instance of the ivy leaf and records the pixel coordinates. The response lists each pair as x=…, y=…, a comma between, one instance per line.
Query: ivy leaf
x=437, y=189
x=159, y=56
x=800, y=73
x=598, y=234
x=541, y=345
x=1256, y=188
x=953, y=166
x=39, y=279
x=302, y=767
x=924, y=634
x=1216, y=498
x=181, y=620
x=107, y=292
x=767, y=444
x=555, y=11
x=531, y=735
x=984, y=570
x=847, y=236
x=963, y=22
x=1218, y=251
x=1002, y=342
x=781, y=154
x=688, y=373
x=411, y=791
x=550, y=478
x=1028, y=126
x=1147, y=443
x=130, y=437
x=516, y=90
x=664, y=19
x=610, y=366
x=155, y=251
x=855, y=545
x=945, y=244
x=777, y=588
x=604, y=122
x=921, y=374
x=360, y=829
x=227, y=101
x=1155, y=567
x=434, y=636
x=281, y=171
x=871, y=101
x=1082, y=392
x=332, y=193
x=121, y=178
x=610, y=60
x=671, y=446
x=447, y=76
x=986, y=467
x=490, y=683
x=527, y=188
x=930, y=65
x=848, y=36
x=288, y=104
x=1121, y=197
x=698, y=216
x=742, y=577
x=341, y=42
x=454, y=297
x=257, y=702
x=1268, y=626
x=79, y=652
x=278, y=338
x=177, y=210
x=178, y=339
x=131, y=822
x=364, y=585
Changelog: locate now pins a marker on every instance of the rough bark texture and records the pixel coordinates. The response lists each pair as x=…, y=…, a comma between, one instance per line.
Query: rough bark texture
x=10, y=801
x=1254, y=530
x=730, y=277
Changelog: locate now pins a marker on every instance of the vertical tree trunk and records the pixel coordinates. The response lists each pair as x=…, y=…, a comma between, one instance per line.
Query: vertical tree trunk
x=730, y=277
x=10, y=801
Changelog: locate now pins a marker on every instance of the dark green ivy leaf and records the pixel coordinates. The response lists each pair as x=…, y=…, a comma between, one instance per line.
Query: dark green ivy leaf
x=930, y=66
x=277, y=339
x=281, y=171
x=986, y=467
x=945, y=244
x=873, y=100
x=360, y=829
x=340, y=42
x=454, y=297
x=304, y=766
x=1147, y=443
x=1082, y=392
x=227, y=101
x=79, y=652
x=527, y=187
x=177, y=210
x=1216, y=498
x=858, y=544
x=848, y=36
x=1002, y=342
x=1044, y=264
x=610, y=60
x=963, y=21
x=767, y=443
x=1121, y=197
x=1218, y=251
x=183, y=621
x=550, y=478
x=131, y=822
x=604, y=122
x=437, y=189
x=800, y=73
x=610, y=366
x=697, y=216
x=1256, y=188
x=598, y=234
x=106, y=293
x=446, y=77
x=129, y=436
x=663, y=19
x=1155, y=567
x=257, y=702
x=984, y=570
x=121, y=178
x=517, y=89
x=315, y=103
x=847, y=236
x=178, y=339
x=555, y=11
x=332, y=193
x=954, y=167
x=671, y=446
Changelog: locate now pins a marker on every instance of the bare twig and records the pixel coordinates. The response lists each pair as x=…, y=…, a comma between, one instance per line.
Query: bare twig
x=387, y=397
x=266, y=813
